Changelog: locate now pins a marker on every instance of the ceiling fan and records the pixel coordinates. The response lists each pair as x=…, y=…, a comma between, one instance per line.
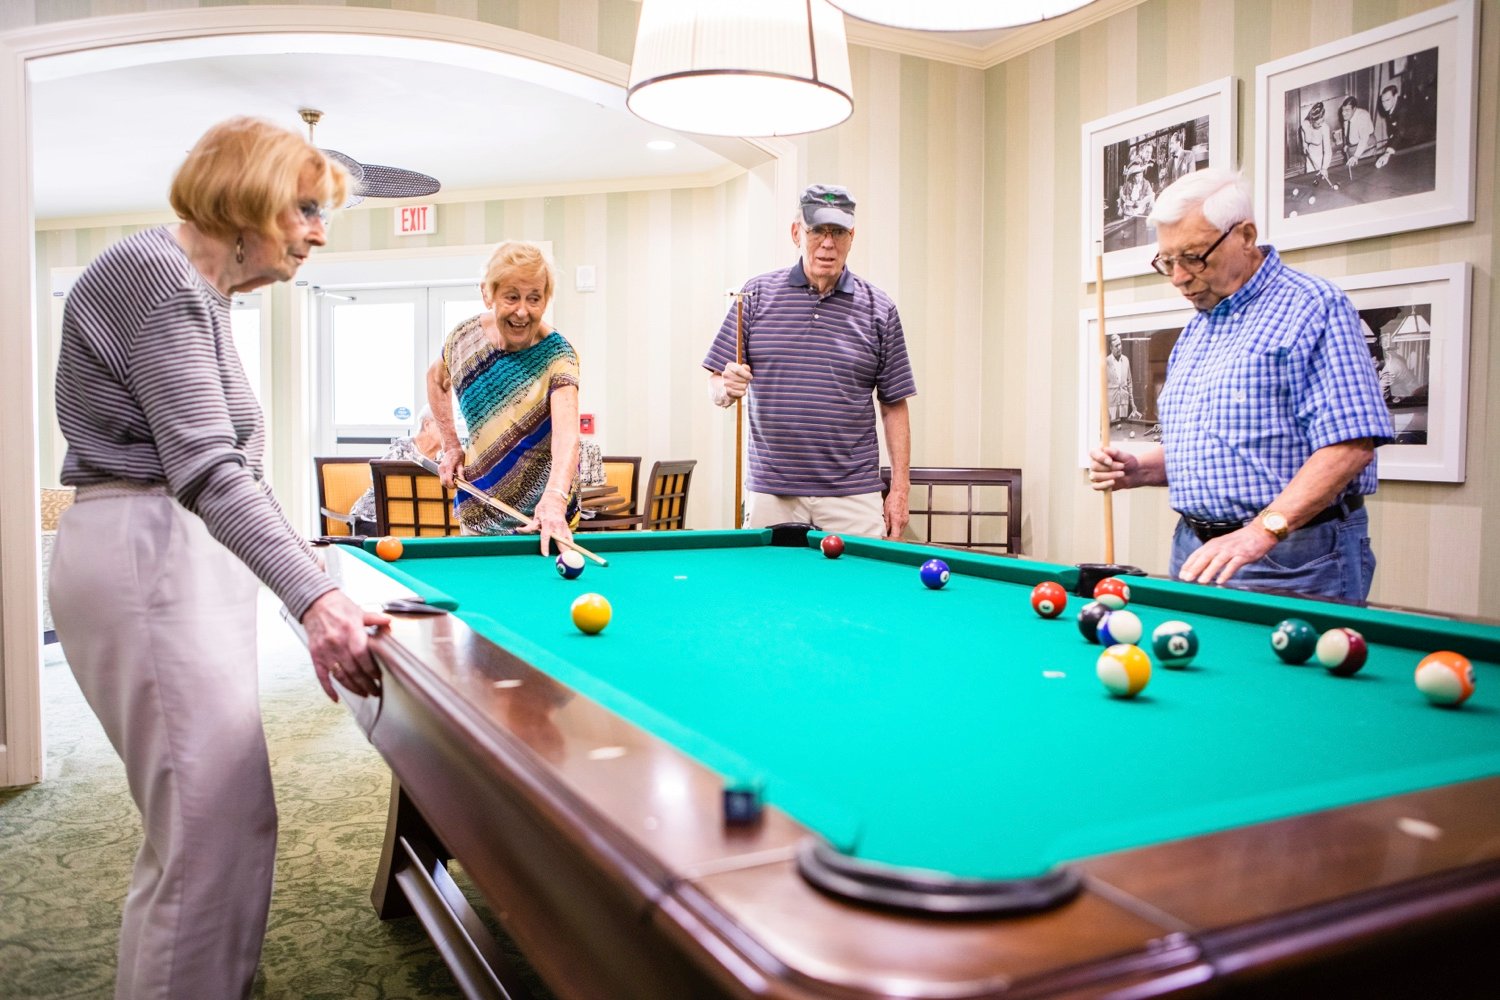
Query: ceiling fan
x=372, y=180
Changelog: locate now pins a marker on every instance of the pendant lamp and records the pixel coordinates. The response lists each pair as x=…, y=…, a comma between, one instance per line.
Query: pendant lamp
x=740, y=67
x=956, y=15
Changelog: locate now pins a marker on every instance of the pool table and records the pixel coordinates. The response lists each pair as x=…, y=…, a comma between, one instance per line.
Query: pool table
x=953, y=805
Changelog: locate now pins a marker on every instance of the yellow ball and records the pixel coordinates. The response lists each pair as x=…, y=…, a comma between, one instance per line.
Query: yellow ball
x=591, y=613
x=1124, y=670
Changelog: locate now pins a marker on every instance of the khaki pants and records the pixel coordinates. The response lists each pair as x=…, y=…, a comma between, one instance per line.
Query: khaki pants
x=158, y=623
x=862, y=514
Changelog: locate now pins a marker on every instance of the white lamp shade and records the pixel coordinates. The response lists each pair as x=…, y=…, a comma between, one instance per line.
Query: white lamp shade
x=740, y=67
x=956, y=15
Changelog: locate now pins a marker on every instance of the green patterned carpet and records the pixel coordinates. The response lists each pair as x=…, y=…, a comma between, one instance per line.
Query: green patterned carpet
x=67, y=844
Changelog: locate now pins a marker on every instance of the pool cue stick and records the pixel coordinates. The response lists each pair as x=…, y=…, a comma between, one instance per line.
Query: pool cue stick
x=506, y=509
x=1109, y=500
x=739, y=414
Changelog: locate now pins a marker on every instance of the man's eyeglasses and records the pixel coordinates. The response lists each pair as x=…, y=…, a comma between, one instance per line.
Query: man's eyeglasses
x=820, y=233
x=1192, y=263
x=312, y=211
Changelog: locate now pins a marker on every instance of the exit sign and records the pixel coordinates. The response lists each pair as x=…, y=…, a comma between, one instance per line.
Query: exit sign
x=416, y=220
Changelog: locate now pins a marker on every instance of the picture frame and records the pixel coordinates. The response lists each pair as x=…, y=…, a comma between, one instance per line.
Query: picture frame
x=1416, y=322
x=1147, y=332
x=1369, y=135
x=1130, y=156
x=1419, y=314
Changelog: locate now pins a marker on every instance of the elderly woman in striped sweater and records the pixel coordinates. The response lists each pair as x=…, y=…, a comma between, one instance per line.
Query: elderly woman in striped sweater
x=153, y=585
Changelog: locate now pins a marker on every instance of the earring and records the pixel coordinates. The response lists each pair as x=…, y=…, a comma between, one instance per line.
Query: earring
x=239, y=249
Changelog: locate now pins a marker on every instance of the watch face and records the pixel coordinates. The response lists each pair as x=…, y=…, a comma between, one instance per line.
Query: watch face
x=1275, y=524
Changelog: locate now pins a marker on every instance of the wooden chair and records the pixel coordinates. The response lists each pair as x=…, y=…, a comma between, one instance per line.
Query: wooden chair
x=341, y=481
x=667, y=496
x=666, y=501
x=966, y=508
x=54, y=502
x=410, y=501
x=618, y=509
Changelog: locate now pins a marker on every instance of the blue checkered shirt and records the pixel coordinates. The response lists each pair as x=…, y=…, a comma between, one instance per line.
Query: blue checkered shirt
x=1258, y=383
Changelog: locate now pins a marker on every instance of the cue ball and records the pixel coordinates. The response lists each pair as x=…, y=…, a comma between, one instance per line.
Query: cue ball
x=1445, y=677
x=1342, y=651
x=1294, y=640
x=1174, y=643
x=1296, y=192
x=389, y=548
x=1112, y=592
x=1312, y=199
x=1048, y=598
x=591, y=612
x=1120, y=628
x=832, y=546
x=1088, y=620
x=569, y=564
x=934, y=573
x=1123, y=669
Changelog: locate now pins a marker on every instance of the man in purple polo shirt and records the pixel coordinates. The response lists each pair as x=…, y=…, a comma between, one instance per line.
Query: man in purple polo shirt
x=824, y=345
x=1271, y=411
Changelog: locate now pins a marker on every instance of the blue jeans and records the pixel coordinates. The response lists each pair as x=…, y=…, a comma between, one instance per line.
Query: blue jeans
x=1332, y=559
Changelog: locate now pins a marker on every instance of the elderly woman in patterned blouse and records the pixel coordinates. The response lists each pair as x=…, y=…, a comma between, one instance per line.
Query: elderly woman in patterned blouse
x=516, y=382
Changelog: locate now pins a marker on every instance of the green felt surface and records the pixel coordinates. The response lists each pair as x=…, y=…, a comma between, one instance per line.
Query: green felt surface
x=955, y=730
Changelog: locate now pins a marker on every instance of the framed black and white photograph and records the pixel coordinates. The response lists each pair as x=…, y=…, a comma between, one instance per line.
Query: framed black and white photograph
x=1139, y=338
x=1369, y=135
x=1130, y=157
x=1416, y=326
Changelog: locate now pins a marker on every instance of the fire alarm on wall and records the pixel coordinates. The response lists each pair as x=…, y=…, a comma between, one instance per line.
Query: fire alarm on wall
x=585, y=423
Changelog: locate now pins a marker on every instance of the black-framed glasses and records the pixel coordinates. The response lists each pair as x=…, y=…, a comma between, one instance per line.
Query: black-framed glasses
x=1192, y=263
x=820, y=233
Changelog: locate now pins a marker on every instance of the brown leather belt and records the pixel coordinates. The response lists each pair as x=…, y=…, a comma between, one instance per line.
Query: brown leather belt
x=1214, y=529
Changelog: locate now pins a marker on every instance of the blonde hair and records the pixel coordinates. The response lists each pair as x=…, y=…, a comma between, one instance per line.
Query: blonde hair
x=520, y=258
x=244, y=172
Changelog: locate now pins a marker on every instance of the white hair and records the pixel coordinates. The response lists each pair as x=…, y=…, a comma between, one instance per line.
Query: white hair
x=1223, y=195
x=424, y=415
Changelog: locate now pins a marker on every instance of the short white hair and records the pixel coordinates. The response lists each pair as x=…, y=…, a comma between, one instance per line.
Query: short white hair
x=1223, y=195
x=424, y=415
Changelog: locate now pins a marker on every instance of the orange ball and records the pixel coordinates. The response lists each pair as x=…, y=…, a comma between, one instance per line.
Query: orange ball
x=1445, y=677
x=389, y=548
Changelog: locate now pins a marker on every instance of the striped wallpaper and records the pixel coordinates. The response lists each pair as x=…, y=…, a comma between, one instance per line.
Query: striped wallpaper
x=969, y=216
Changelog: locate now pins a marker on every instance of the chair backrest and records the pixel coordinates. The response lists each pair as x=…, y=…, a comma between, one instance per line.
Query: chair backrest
x=55, y=500
x=967, y=508
x=667, y=496
x=410, y=501
x=623, y=472
x=341, y=481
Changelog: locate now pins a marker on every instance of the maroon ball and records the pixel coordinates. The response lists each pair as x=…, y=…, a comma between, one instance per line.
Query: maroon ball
x=832, y=546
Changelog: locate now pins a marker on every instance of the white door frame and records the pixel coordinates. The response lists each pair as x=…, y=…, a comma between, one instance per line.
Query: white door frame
x=20, y=519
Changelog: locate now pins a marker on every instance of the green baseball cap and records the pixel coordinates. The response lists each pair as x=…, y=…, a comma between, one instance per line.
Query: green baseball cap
x=827, y=205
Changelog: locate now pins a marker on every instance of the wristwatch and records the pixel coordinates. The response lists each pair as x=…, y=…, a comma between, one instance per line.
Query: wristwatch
x=1275, y=522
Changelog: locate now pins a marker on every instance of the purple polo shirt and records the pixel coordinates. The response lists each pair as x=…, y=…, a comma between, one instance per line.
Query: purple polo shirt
x=819, y=362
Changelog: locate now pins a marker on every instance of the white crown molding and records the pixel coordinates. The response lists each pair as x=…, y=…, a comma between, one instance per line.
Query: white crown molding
x=958, y=48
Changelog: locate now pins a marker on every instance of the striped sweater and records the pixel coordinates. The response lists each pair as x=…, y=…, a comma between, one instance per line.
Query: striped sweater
x=150, y=390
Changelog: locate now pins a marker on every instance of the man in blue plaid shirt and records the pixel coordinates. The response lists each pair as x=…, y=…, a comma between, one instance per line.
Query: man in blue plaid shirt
x=1271, y=411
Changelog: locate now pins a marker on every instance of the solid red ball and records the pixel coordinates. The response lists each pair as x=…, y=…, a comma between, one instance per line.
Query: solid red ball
x=832, y=546
x=1049, y=598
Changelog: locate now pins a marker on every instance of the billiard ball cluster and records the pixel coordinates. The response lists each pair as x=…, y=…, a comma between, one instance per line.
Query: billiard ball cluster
x=1444, y=677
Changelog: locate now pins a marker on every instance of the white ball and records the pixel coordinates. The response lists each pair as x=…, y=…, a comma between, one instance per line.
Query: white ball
x=1296, y=192
x=1312, y=199
x=1292, y=214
